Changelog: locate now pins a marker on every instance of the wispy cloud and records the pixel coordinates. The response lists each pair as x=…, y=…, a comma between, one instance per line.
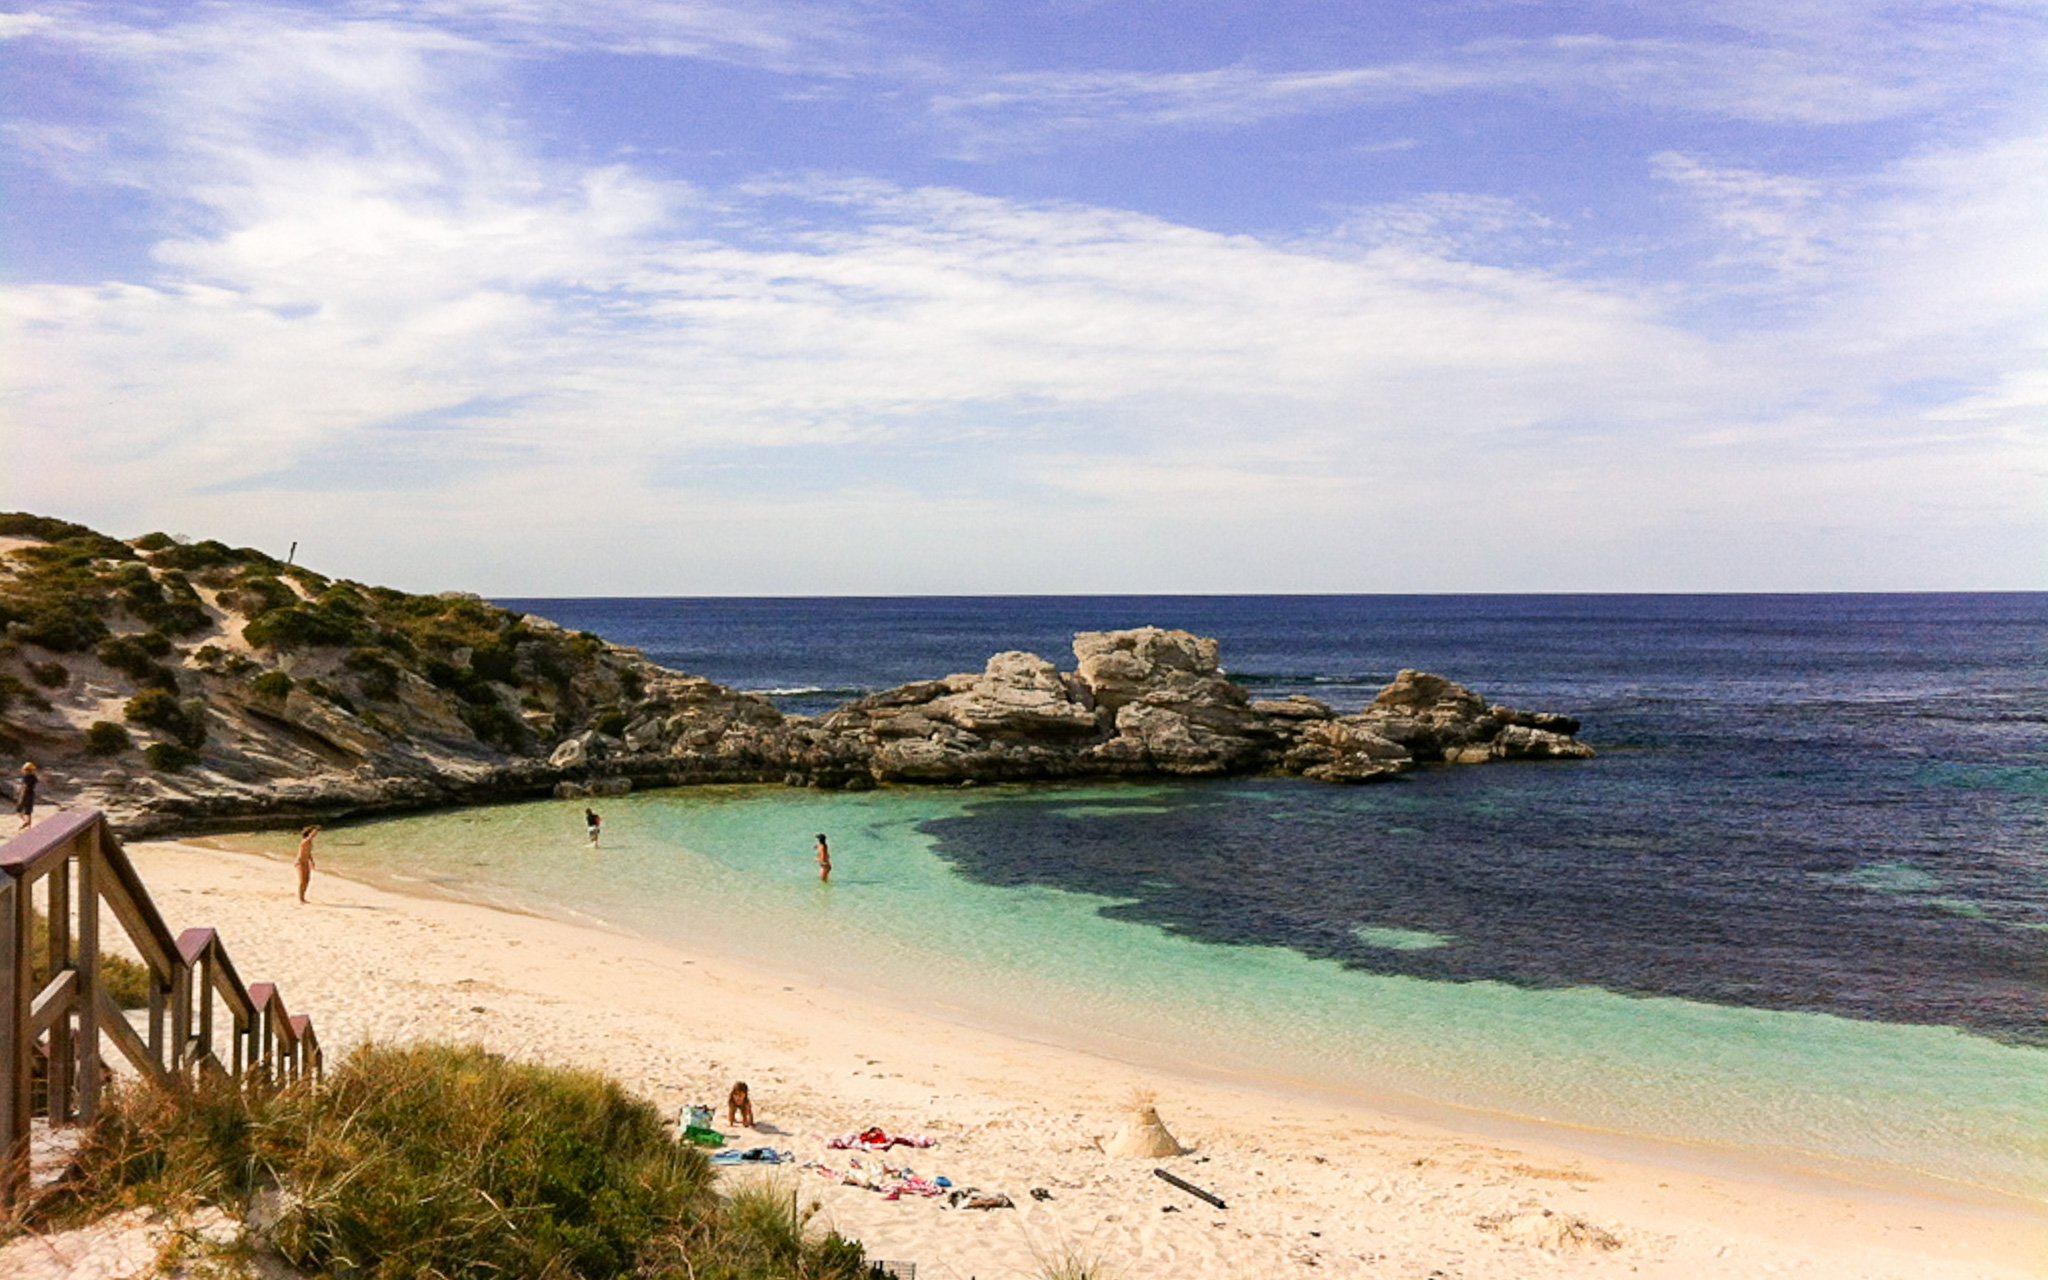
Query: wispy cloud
x=377, y=293
x=1837, y=72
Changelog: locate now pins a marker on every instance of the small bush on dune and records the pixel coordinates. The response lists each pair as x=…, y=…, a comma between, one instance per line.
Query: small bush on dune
x=169, y=757
x=303, y=626
x=12, y=690
x=272, y=684
x=160, y=709
x=105, y=738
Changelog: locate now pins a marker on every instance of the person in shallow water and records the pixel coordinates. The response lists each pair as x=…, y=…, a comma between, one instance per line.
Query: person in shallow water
x=305, y=860
x=824, y=860
x=592, y=821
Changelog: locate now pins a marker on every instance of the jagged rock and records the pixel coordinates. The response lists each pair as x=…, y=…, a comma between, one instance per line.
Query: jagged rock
x=1520, y=742
x=1345, y=751
x=1017, y=695
x=1177, y=743
x=643, y=734
x=1295, y=707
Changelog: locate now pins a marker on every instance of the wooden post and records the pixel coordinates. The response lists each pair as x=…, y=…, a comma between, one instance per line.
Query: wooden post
x=15, y=1050
x=88, y=859
x=63, y=1045
x=181, y=1012
x=204, y=995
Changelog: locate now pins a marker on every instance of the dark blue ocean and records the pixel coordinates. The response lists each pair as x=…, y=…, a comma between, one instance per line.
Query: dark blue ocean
x=1832, y=803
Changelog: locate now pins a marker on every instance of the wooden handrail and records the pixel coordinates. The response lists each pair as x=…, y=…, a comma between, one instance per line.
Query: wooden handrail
x=60, y=1025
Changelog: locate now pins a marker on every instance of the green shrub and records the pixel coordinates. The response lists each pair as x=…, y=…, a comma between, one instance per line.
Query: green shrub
x=105, y=738
x=611, y=723
x=50, y=675
x=12, y=690
x=272, y=684
x=256, y=593
x=304, y=626
x=207, y=555
x=495, y=725
x=23, y=524
x=377, y=674
x=159, y=709
x=329, y=694
x=497, y=662
x=66, y=624
x=136, y=657
x=166, y=602
x=169, y=757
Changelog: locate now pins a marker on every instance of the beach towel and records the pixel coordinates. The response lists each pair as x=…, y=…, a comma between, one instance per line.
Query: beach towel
x=878, y=1140
x=752, y=1155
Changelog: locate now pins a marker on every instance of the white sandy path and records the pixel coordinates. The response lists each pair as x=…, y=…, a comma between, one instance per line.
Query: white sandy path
x=1314, y=1190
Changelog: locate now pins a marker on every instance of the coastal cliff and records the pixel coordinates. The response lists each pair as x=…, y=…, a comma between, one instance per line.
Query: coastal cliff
x=187, y=685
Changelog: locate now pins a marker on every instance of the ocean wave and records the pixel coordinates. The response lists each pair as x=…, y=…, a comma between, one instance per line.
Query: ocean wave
x=812, y=691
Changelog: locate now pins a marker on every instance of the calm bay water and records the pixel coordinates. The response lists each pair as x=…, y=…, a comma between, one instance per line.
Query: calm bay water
x=1797, y=907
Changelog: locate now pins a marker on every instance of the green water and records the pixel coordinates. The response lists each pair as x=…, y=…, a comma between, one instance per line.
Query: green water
x=731, y=871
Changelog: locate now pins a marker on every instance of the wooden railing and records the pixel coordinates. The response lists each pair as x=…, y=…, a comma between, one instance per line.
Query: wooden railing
x=202, y=1020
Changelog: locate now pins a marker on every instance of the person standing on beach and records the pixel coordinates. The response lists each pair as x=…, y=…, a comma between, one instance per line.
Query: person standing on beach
x=592, y=821
x=306, y=859
x=26, y=805
x=824, y=860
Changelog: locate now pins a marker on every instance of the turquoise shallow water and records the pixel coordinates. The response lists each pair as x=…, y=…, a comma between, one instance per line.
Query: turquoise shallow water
x=730, y=871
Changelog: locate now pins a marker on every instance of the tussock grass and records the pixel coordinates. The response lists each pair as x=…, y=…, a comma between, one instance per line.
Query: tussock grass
x=442, y=1163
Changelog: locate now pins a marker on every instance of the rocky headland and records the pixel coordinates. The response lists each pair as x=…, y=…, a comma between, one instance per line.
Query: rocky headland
x=188, y=686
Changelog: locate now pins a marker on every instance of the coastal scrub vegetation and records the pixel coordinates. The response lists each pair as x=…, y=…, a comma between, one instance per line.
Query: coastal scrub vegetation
x=180, y=627
x=445, y=1162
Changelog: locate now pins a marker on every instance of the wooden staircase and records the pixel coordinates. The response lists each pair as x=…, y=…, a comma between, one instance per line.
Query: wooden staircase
x=201, y=1019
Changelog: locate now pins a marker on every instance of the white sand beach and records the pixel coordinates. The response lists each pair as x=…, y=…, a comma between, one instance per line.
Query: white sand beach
x=1312, y=1188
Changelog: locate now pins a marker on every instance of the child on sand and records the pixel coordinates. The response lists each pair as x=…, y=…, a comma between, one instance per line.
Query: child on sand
x=824, y=861
x=739, y=1107
x=26, y=805
x=306, y=859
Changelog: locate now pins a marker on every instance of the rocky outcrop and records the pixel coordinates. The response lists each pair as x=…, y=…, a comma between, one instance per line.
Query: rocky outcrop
x=184, y=687
x=1151, y=702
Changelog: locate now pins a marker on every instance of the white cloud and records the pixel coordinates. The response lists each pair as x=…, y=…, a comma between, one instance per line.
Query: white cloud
x=406, y=336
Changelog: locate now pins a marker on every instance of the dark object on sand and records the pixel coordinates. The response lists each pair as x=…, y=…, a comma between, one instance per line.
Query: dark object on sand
x=1189, y=1187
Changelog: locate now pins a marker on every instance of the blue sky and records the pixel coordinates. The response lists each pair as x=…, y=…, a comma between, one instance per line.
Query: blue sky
x=664, y=297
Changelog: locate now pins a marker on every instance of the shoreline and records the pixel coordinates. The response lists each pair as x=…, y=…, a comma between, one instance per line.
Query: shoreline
x=1330, y=1186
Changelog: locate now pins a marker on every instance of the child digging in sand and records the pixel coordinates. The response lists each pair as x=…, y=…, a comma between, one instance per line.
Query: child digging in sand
x=739, y=1106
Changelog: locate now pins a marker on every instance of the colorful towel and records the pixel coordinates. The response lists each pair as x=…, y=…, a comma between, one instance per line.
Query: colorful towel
x=878, y=1140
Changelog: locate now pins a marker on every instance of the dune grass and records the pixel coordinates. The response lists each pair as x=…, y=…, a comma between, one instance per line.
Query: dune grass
x=451, y=1164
